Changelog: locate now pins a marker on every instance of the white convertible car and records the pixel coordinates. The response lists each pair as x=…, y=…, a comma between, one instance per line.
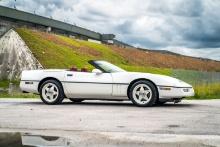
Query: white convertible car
x=105, y=82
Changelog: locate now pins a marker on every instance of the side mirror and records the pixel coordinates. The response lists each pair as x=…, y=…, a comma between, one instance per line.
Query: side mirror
x=97, y=71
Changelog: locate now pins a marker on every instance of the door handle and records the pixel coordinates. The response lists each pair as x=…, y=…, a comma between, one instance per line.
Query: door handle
x=69, y=75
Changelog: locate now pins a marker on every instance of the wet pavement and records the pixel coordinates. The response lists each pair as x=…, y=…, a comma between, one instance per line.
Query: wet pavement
x=98, y=123
x=91, y=139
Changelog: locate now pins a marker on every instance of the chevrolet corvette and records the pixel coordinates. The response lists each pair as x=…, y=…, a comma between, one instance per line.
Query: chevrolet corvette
x=105, y=82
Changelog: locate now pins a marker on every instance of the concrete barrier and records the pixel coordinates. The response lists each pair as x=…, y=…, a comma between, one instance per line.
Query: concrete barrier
x=15, y=56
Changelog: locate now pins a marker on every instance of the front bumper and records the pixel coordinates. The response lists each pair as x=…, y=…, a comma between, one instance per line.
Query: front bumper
x=175, y=92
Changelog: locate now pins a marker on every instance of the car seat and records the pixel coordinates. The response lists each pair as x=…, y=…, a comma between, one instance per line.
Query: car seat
x=84, y=69
x=73, y=68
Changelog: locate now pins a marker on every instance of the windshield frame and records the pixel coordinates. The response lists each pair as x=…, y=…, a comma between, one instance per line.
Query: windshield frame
x=96, y=64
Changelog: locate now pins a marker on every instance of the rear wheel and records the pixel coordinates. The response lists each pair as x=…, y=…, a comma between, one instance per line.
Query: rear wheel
x=143, y=93
x=51, y=92
x=76, y=100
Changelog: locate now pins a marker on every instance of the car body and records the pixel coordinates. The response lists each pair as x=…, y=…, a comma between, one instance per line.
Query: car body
x=105, y=82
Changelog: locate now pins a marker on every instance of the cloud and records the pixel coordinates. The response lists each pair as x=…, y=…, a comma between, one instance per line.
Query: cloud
x=191, y=25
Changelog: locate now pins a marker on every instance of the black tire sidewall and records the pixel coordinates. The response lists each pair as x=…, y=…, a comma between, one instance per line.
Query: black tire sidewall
x=60, y=92
x=153, y=89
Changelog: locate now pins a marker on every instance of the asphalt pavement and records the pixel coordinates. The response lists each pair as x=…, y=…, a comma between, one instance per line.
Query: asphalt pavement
x=191, y=122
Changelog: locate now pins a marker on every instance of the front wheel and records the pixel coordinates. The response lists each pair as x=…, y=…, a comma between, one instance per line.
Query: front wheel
x=51, y=92
x=143, y=93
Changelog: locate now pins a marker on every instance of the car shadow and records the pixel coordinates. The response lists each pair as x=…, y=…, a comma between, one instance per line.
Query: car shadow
x=99, y=103
x=112, y=103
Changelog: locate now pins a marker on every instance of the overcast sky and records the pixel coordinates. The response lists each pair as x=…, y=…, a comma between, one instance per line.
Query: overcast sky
x=190, y=27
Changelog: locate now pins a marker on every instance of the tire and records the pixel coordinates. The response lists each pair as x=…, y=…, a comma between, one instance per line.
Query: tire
x=143, y=93
x=76, y=100
x=51, y=92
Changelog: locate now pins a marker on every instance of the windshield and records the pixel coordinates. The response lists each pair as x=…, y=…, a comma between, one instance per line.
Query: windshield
x=107, y=67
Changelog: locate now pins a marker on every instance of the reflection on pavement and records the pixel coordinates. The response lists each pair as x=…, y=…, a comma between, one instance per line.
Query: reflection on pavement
x=25, y=139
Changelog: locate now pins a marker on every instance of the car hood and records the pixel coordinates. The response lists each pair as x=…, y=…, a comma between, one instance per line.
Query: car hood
x=161, y=80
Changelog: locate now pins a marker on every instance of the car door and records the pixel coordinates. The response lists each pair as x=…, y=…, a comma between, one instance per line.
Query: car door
x=88, y=85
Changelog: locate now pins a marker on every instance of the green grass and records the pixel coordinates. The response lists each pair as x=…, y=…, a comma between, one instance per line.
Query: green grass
x=71, y=41
x=18, y=95
x=57, y=55
x=207, y=91
x=154, y=70
x=107, y=53
x=50, y=54
x=4, y=83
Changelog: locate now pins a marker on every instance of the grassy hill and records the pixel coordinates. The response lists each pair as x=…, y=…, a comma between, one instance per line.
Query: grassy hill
x=57, y=51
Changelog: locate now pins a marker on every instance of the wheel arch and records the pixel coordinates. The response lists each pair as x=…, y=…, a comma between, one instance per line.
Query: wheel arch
x=140, y=79
x=48, y=78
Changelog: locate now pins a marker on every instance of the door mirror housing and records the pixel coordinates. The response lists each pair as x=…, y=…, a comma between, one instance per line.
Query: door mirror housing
x=97, y=71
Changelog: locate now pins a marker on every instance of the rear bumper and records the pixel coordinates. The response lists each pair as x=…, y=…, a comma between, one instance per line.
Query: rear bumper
x=175, y=92
x=29, y=86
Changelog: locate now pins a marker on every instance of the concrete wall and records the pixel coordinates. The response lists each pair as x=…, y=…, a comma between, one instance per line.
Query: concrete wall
x=15, y=56
x=4, y=27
